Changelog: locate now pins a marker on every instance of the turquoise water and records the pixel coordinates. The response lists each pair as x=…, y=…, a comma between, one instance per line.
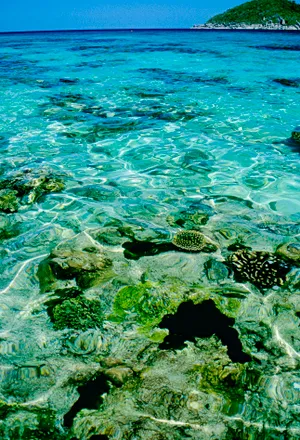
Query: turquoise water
x=141, y=126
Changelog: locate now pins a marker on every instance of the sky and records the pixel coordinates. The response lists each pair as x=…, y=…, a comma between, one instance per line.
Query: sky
x=25, y=15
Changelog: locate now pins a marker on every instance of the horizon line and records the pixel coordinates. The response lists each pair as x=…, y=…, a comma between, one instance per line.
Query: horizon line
x=129, y=29
x=41, y=31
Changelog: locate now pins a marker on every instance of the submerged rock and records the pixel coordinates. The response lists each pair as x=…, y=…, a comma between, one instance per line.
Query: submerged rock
x=119, y=375
x=8, y=200
x=287, y=82
x=290, y=251
x=259, y=268
x=9, y=227
x=191, y=218
x=98, y=193
x=18, y=421
x=296, y=134
x=215, y=270
x=136, y=249
x=176, y=395
x=30, y=184
x=193, y=241
x=88, y=267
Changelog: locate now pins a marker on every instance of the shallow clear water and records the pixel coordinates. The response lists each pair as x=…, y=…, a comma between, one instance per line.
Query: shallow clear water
x=142, y=125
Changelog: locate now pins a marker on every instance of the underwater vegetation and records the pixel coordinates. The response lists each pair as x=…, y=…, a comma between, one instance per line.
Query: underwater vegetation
x=77, y=313
x=27, y=186
x=296, y=134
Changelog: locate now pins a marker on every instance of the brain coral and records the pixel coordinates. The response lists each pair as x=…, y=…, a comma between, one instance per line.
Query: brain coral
x=189, y=240
x=259, y=268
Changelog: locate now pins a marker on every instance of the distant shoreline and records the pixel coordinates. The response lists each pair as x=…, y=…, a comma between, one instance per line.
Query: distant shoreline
x=246, y=27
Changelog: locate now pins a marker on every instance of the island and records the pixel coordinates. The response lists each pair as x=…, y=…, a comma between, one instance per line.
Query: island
x=258, y=15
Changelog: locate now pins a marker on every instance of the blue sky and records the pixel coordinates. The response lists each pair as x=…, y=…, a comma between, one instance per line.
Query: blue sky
x=18, y=15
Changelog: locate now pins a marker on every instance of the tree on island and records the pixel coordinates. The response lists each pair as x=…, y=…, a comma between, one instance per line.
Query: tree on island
x=262, y=12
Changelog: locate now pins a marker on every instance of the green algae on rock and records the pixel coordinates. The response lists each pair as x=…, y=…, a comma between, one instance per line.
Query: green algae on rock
x=191, y=218
x=8, y=200
x=18, y=421
x=30, y=184
x=78, y=313
x=296, y=134
x=141, y=302
x=259, y=268
x=9, y=226
x=193, y=241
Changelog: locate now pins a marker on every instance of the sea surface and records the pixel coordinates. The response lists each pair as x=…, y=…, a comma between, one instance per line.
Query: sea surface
x=149, y=132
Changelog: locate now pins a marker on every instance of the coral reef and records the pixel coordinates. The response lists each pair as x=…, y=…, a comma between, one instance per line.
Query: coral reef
x=259, y=268
x=296, y=134
x=78, y=313
x=28, y=185
x=192, y=218
x=108, y=330
x=193, y=241
x=8, y=201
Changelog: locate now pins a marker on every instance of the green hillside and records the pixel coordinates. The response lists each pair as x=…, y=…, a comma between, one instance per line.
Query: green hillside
x=261, y=12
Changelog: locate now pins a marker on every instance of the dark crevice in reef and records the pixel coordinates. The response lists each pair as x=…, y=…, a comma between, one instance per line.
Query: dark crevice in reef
x=202, y=321
x=94, y=437
x=99, y=437
x=238, y=247
x=90, y=398
x=287, y=82
x=137, y=249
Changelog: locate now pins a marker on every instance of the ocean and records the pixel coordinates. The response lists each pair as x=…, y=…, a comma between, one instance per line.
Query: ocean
x=149, y=235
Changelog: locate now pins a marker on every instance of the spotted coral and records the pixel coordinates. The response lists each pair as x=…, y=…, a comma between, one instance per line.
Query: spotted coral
x=259, y=268
x=193, y=241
